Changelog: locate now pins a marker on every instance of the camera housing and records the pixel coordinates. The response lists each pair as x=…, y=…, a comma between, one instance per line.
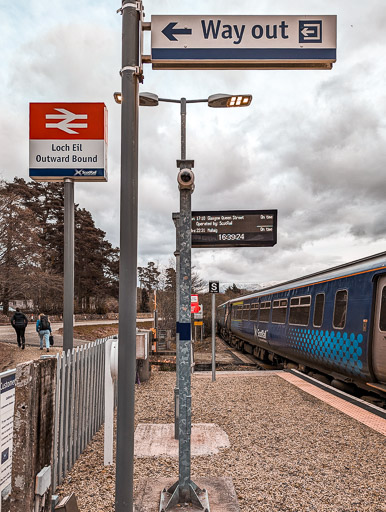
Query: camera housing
x=185, y=179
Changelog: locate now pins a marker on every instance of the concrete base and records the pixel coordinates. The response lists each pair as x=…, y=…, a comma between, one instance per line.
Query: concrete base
x=154, y=440
x=221, y=492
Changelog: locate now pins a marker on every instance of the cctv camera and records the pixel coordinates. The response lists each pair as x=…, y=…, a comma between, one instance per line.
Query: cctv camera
x=185, y=179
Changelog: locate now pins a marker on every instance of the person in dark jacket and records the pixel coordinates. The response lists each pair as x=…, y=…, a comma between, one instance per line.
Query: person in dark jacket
x=19, y=322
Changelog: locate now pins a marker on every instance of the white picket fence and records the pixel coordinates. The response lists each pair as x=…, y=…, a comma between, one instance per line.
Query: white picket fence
x=79, y=406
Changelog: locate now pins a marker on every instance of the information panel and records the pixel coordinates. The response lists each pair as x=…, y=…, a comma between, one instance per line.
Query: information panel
x=7, y=402
x=234, y=228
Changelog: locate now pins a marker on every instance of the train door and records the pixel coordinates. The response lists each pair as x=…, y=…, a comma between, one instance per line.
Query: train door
x=228, y=317
x=379, y=337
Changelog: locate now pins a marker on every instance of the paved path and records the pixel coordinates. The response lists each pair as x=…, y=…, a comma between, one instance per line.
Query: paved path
x=8, y=335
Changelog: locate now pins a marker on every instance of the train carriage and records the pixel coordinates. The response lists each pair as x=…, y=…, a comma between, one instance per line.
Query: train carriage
x=333, y=321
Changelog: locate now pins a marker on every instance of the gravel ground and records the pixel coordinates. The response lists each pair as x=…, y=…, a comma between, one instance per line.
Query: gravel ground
x=289, y=451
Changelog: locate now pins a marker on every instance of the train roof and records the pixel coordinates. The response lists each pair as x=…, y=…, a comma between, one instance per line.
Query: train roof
x=362, y=265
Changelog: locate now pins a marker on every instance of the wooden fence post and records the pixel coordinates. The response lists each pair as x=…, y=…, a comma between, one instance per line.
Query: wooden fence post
x=33, y=430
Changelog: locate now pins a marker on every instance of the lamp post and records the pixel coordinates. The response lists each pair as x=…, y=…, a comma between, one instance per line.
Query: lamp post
x=185, y=490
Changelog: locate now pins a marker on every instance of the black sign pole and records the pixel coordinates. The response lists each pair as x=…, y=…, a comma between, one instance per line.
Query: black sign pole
x=214, y=288
x=213, y=337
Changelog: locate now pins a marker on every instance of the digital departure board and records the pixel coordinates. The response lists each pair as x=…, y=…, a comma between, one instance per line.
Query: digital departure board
x=234, y=228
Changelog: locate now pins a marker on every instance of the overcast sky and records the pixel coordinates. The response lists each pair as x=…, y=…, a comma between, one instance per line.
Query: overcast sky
x=312, y=144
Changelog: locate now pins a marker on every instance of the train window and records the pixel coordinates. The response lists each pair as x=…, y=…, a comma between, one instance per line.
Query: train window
x=264, y=311
x=382, y=315
x=319, y=310
x=245, y=312
x=300, y=310
x=279, y=311
x=254, y=312
x=340, y=309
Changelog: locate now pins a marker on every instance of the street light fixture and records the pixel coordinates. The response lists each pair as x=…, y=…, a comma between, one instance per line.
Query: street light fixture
x=226, y=100
x=149, y=99
x=118, y=97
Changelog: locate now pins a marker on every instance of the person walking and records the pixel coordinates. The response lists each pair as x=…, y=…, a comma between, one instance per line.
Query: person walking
x=19, y=322
x=37, y=330
x=43, y=327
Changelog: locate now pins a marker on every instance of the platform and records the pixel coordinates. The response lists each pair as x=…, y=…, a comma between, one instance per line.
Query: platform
x=291, y=449
x=362, y=414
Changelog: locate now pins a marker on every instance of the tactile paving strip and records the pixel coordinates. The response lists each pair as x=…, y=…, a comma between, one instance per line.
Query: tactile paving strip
x=367, y=418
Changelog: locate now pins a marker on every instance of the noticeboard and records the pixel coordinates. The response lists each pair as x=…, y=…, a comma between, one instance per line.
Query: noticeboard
x=7, y=406
x=234, y=228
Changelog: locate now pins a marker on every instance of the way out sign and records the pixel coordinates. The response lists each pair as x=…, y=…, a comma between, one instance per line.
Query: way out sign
x=242, y=42
x=68, y=140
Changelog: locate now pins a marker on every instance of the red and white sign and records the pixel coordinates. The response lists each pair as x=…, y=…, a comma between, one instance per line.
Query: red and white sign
x=194, y=308
x=68, y=140
x=199, y=315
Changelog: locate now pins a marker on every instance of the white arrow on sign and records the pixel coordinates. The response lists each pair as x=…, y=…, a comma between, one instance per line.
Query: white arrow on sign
x=311, y=31
x=67, y=117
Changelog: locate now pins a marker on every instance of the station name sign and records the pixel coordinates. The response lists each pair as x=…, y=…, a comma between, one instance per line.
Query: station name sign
x=234, y=228
x=68, y=140
x=243, y=42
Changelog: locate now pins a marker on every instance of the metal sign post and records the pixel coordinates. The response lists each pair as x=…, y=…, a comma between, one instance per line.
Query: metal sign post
x=68, y=291
x=128, y=256
x=176, y=220
x=214, y=288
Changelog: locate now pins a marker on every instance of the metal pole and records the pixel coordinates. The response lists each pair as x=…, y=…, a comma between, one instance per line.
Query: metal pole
x=177, y=254
x=184, y=384
x=185, y=341
x=213, y=337
x=184, y=490
x=183, y=128
x=176, y=219
x=128, y=258
x=68, y=295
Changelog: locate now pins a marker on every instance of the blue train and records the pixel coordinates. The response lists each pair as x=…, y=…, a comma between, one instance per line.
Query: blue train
x=332, y=321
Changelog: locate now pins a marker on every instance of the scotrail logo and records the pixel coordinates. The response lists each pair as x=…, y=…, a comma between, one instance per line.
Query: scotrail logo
x=82, y=172
x=260, y=333
x=310, y=31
